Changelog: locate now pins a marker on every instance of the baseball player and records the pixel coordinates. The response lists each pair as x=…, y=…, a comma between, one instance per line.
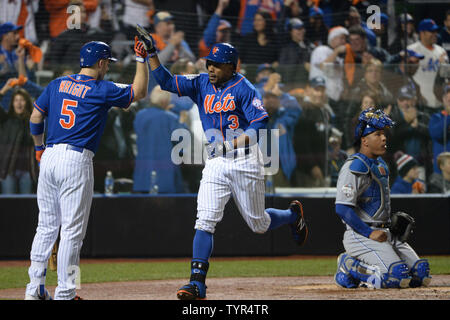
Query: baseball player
x=76, y=109
x=231, y=112
x=373, y=255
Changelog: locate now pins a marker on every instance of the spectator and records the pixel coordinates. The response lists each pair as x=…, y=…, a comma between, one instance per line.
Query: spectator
x=444, y=35
x=354, y=20
x=311, y=135
x=170, y=43
x=440, y=182
x=367, y=99
x=337, y=156
x=404, y=25
x=263, y=72
x=218, y=30
x=403, y=72
x=249, y=9
x=410, y=133
x=18, y=167
x=358, y=54
x=429, y=66
x=439, y=128
x=21, y=13
x=328, y=60
x=154, y=127
x=260, y=46
x=372, y=81
x=407, y=180
x=137, y=12
x=283, y=118
x=296, y=52
x=317, y=30
x=10, y=64
x=66, y=46
x=58, y=14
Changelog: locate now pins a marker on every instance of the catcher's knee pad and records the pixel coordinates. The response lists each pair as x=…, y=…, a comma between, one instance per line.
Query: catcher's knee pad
x=345, y=280
x=397, y=276
x=420, y=273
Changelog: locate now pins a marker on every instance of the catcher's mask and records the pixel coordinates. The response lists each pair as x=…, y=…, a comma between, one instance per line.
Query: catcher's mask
x=371, y=120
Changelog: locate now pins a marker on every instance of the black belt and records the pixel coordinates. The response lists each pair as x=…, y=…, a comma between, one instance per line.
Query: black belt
x=68, y=147
x=380, y=224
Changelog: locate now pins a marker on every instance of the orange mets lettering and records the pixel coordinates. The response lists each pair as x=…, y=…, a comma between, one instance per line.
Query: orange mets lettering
x=227, y=104
x=73, y=88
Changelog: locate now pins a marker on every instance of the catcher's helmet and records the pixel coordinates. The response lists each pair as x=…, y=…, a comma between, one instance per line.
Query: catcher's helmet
x=371, y=120
x=223, y=53
x=93, y=51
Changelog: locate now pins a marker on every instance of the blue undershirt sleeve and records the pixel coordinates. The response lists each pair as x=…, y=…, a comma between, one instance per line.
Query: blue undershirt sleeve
x=351, y=218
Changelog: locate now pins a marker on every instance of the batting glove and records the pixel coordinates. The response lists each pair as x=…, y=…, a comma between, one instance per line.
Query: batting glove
x=139, y=49
x=39, y=151
x=218, y=149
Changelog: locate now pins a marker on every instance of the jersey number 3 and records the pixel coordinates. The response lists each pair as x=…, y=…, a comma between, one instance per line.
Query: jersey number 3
x=65, y=111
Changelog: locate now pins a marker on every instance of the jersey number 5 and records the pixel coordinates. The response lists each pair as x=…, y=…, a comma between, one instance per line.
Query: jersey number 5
x=65, y=111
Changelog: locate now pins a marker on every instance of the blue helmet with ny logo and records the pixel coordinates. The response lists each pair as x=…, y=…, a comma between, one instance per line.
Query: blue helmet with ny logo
x=223, y=53
x=93, y=51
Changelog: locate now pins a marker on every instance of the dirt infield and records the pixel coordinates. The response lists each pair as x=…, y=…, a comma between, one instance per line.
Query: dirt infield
x=276, y=288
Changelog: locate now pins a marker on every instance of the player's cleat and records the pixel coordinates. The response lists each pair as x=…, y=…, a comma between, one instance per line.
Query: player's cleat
x=299, y=227
x=45, y=296
x=77, y=297
x=190, y=292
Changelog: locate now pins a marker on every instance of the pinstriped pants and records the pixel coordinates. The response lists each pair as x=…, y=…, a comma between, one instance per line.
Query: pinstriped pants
x=64, y=195
x=242, y=177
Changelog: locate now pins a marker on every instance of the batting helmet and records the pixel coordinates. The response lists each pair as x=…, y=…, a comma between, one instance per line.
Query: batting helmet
x=371, y=120
x=93, y=51
x=223, y=53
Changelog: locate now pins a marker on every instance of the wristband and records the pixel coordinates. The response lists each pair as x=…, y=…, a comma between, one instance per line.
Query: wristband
x=141, y=60
x=39, y=148
x=152, y=54
x=36, y=128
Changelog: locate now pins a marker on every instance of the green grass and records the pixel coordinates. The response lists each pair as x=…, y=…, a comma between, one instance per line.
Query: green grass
x=17, y=277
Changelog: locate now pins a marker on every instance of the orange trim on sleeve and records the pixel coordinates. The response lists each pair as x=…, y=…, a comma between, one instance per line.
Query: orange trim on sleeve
x=178, y=88
x=39, y=108
x=131, y=96
x=262, y=117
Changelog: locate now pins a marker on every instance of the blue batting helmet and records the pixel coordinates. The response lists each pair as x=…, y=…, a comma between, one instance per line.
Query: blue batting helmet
x=371, y=120
x=93, y=51
x=223, y=53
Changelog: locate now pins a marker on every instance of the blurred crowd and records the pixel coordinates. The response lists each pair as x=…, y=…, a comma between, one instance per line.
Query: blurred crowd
x=316, y=63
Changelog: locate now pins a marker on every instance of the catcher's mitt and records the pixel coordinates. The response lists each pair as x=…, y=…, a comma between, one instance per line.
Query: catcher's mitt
x=402, y=225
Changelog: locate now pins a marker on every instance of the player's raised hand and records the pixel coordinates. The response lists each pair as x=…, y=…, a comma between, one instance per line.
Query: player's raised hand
x=139, y=48
x=146, y=39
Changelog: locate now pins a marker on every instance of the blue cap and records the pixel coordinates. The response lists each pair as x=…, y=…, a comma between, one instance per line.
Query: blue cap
x=223, y=53
x=371, y=120
x=428, y=25
x=315, y=11
x=412, y=53
x=8, y=27
x=93, y=51
x=447, y=89
x=162, y=16
x=264, y=66
x=384, y=18
x=295, y=23
x=317, y=82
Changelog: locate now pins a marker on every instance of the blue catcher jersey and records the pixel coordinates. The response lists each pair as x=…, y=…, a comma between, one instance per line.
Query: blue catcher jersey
x=229, y=108
x=77, y=107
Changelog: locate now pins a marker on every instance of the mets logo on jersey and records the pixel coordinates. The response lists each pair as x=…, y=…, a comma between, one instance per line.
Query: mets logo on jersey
x=210, y=107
